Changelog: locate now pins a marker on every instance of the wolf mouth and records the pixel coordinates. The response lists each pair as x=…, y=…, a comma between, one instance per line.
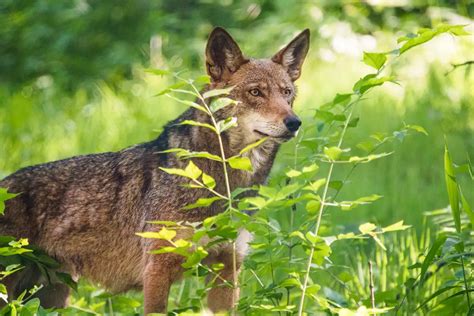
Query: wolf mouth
x=285, y=136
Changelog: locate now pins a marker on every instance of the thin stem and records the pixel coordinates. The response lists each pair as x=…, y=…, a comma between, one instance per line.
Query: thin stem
x=320, y=214
x=292, y=220
x=229, y=194
x=465, y=285
x=455, y=66
x=371, y=286
x=221, y=145
x=211, y=190
x=111, y=308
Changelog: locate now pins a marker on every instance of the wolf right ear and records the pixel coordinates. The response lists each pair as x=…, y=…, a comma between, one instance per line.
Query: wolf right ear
x=292, y=55
x=223, y=55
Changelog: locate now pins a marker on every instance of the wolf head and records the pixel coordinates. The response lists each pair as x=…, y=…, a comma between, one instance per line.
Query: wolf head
x=264, y=87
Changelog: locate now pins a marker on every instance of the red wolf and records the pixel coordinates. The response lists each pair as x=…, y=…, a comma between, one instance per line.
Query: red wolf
x=84, y=211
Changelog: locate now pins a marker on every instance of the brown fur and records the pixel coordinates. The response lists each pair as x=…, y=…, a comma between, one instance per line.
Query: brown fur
x=85, y=211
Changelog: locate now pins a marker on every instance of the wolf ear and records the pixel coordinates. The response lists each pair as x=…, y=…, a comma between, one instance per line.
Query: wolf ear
x=223, y=55
x=292, y=56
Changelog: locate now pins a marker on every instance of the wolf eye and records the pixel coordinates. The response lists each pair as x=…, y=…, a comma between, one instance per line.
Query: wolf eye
x=255, y=92
x=287, y=92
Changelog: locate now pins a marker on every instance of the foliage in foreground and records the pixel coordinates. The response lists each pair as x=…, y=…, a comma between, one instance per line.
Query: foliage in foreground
x=299, y=250
x=291, y=268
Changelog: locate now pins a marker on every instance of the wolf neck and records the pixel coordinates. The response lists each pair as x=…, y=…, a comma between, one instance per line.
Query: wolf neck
x=201, y=139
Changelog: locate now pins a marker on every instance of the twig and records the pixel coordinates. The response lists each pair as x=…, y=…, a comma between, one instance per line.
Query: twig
x=455, y=66
x=371, y=286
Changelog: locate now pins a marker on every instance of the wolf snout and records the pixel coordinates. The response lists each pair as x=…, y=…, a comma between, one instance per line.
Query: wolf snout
x=292, y=123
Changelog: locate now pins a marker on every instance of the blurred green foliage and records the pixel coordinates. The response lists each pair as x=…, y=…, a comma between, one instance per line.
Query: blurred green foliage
x=79, y=42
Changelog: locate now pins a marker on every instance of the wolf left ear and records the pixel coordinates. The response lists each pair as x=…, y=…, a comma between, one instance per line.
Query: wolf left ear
x=223, y=55
x=292, y=56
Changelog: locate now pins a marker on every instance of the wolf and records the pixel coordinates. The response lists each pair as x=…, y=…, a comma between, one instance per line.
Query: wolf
x=84, y=211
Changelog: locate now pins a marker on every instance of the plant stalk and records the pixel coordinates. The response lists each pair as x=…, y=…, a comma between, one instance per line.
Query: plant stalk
x=320, y=214
x=229, y=196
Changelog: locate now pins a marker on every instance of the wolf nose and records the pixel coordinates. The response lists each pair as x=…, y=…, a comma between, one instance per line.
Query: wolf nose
x=292, y=123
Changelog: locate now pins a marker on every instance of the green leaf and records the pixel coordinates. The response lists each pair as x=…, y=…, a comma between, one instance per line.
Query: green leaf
x=370, y=81
x=297, y=234
x=199, y=124
x=257, y=201
x=253, y=145
x=395, y=227
x=170, y=88
x=204, y=79
x=321, y=251
x=290, y=282
x=192, y=171
x=221, y=103
x=5, y=195
x=202, y=202
x=467, y=208
x=174, y=171
x=173, y=150
x=345, y=276
x=197, y=256
x=241, y=163
x=208, y=181
x=217, y=92
x=164, y=233
x=348, y=205
x=333, y=153
x=3, y=289
x=293, y=173
x=366, y=146
x=431, y=255
x=313, y=206
x=346, y=236
x=224, y=125
x=9, y=251
x=313, y=238
x=286, y=191
x=417, y=128
x=314, y=288
x=159, y=72
x=452, y=188
x=375, y=60
x=67, y=279
x=425, y=35
x=329, y=117
x=368, y=158
x=367, y=228
x=22, y=242
x=315, y=185
x=190, y=103
x=342, y=98
x=310, y=168
x=353, y=122
x=437, y=293
x=198, y=154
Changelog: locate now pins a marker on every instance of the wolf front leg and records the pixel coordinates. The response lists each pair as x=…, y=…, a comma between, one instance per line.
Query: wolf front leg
x=160, y=273
x=223, y=296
